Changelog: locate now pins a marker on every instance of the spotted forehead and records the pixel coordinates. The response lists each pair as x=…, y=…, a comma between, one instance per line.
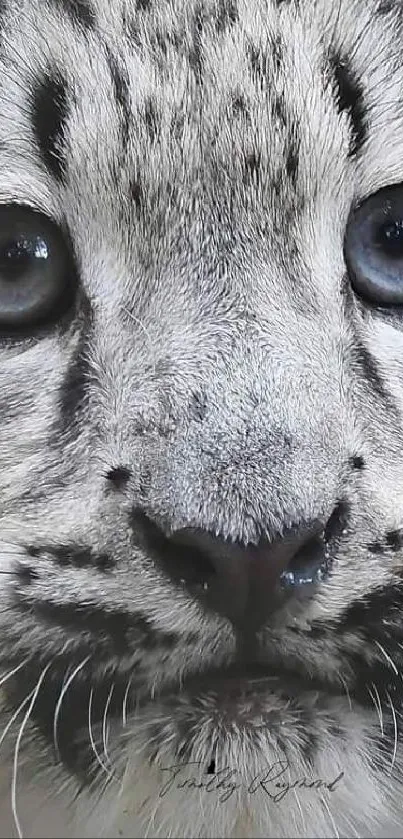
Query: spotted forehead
x=227, y=104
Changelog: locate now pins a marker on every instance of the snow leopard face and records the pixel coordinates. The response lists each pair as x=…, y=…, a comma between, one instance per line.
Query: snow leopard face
x=201, y=378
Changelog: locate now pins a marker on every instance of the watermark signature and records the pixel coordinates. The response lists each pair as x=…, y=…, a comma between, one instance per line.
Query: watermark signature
x=275, y=781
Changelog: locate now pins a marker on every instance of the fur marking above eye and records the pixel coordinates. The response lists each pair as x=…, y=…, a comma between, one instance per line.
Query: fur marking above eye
x=49, y=117
x=350, y=99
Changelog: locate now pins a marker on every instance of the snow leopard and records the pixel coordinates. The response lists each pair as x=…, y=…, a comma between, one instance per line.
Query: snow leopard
x=201, y=413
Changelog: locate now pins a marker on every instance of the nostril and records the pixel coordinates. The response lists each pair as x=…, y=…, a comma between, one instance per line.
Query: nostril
x=177, y=556
x=312, y=562
x=309, y=565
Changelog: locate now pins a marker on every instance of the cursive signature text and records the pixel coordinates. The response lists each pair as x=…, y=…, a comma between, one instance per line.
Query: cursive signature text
x=275, y=781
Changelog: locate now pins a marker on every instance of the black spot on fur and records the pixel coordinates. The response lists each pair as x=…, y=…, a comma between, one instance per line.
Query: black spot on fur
x=151, y=118
x=252, y=167
x=211, y=767
x=292, y=159
x=119, y=477
x=394, y=540
x=376, y=548
x=73, y=555
x=350, y=99
x=49, y=117
x=238, y=104
x=357, y=462
x=386, y=7
x=81, y=12
x=227, y=15
x=121, y=88
x=144, y=5
x=198, y=406
x=280, y=111
x=137, y=195
x=259, y=62
x=196, y=50
x=26, y=575
x=277, y=53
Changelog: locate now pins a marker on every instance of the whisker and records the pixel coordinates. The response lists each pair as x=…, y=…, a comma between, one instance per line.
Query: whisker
x=387, y=657
x=326, y=806
x=125, y=700
x=104, y=731
x=15, y=715
x=345, y=685
x=92, y=741
x=377, y=704
x=60, y=700
x=17, y=748
x=392, y=708
x=10, y=673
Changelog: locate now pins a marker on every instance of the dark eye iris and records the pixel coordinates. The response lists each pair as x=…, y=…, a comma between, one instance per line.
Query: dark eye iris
x=374, y=247
x=37, y=276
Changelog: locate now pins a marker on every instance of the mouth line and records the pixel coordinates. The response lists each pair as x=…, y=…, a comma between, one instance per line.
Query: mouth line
x=253, y=680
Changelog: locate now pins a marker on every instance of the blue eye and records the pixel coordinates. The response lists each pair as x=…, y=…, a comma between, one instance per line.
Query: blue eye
x=37, y=276
x=373, y=247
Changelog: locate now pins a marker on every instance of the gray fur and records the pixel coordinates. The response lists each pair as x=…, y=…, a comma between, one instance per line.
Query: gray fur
x=221, y=371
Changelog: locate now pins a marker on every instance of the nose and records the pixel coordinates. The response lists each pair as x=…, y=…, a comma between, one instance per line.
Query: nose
x=242, y=583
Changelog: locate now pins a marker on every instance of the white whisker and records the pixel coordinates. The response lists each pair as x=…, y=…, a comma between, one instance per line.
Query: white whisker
x=14, y=716
x=17, y=749
x=387, y=657
x=10, y=673
x=395, y=731
x=125, y=700
x=92, y=741
x=326, y=806
x=345, y=685
x=377, y=703
x=60, y=700
x=104, y=723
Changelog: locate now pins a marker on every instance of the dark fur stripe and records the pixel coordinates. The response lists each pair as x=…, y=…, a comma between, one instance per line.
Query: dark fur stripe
x=73, y=390
x=366, y=617
x=121, y=90
x=116, y=630
x=80, y=12
x=77, y=556
x=49, y=116
x=350, y=99
x=372, y=375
